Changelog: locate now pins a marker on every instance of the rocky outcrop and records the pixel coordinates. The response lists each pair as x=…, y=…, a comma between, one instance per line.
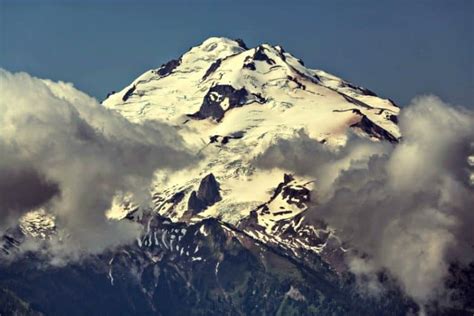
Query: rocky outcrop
x=241, y=43
x=206, y=195
x=195, y=204
x=225, y=139
x=373, y=130
x=167, y=69
x=260, y=55
x=128, y=93
x=362, y=90
x=213, y=104
x=249, y=63
x=214, y=66
x=221, y=98
x=209, y=190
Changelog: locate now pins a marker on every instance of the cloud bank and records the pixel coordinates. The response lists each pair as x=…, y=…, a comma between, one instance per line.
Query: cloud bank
x=63, y=151
x=408, y=207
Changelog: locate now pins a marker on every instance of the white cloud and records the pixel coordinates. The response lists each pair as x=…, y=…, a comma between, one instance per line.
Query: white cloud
x=408, y=206
x=62, y=150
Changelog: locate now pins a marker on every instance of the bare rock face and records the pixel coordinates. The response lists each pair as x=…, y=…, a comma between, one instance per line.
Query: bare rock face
x=128, y=93
x=260, y=55
x=214, y=66
x=219, y=99
x=372, y=129
x=241, y=43
x=167, y=69
x=195, y=205
x=209, y=190
x=206, y=195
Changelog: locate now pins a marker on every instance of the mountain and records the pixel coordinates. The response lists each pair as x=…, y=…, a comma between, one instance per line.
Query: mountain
x=231, y=103
x=224, y=237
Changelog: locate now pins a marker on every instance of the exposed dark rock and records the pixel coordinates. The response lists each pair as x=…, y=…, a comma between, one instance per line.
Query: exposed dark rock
x=168, y=68
x=297, y=227
x=237, y=135
x=176, y=198
x=225, y=139
x=133, y=214
x=211, y=105
x=109, y=94
x=287, y=178
x=214, y=66
x=248, y=63
x=355, y=101
x=299, y=84
x=260, y=99
x=263, y=208
x=209, y=190
x=206, y=195
x=281, y=52
x=393, y=103
x=313, y=77
x=214, y=139
x=393, y=118
x=241, y=43
x=282, y=213
x=374, y=130
x=297, y=195
x=360, y=89
x=128, y=93
x=250, y=222
x=261, y=56
x=195, y=204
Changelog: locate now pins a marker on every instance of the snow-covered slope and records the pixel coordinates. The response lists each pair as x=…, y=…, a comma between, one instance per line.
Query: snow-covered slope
x=230, y=103
x=224, y=72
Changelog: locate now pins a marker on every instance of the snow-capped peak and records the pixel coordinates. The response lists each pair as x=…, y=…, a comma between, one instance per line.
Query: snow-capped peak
x=230, y=103
x=204, y=78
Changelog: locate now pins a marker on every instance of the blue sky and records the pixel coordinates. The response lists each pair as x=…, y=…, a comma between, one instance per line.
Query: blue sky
x=399, y=49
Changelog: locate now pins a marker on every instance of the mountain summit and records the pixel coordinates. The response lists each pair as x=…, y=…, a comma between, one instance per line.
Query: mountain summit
x=211, y=79
x=231, y=103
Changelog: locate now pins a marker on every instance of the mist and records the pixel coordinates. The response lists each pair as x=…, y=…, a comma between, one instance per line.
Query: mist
x=62, y=151
x=404, y=208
